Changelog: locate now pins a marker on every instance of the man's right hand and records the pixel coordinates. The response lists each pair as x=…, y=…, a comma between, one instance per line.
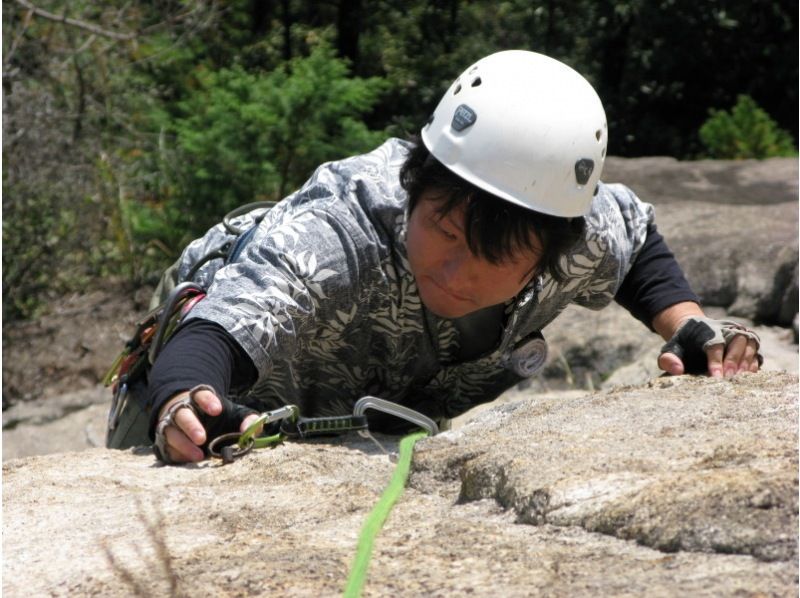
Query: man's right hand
x=187, y=435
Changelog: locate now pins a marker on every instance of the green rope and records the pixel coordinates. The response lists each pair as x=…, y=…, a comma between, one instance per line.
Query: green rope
x=376, y=519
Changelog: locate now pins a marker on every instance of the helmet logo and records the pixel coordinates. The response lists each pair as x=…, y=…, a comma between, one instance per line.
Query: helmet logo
x=463, y=117
x=583, y=170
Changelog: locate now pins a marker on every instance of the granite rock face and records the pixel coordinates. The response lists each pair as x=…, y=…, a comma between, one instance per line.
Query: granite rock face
x=680, y=464
x=731, y=224
x=683, y=486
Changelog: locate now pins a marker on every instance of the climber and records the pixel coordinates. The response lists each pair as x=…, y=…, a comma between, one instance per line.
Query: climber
x=424, y=271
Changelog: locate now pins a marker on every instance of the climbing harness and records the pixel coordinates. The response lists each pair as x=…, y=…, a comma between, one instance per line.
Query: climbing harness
x=128, y=373
x=144, y=346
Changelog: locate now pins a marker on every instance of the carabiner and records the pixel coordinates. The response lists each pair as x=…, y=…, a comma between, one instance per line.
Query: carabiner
x=232, y=451
x=290, y=412
x=415, y=417
x=246, y=441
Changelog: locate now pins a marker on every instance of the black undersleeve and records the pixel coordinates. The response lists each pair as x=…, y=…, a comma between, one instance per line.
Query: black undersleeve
x=216, y=359
x=654, y=282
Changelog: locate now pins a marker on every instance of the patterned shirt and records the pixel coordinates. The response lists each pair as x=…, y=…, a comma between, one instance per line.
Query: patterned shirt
x=323, y=301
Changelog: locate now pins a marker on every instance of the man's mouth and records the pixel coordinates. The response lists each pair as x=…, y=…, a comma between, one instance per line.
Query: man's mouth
x=447, y=291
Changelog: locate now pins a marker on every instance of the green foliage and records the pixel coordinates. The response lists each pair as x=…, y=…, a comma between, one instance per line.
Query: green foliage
x=42, y=254
x=29, y=232
x=240, y=137
x=746, y=131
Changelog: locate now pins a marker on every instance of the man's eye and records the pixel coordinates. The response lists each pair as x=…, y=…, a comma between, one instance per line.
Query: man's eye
x=447, y=234
x=437, y=224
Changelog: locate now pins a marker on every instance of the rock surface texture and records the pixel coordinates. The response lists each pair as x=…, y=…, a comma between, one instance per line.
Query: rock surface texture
x=731, y=224
x=679, y=487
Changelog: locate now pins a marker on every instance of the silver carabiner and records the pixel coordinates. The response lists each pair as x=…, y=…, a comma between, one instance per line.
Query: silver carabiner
x=118, y=402
x=415, y=417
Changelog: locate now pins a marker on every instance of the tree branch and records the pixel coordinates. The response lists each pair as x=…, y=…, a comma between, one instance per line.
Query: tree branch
x=25, y=24
x=75, y=23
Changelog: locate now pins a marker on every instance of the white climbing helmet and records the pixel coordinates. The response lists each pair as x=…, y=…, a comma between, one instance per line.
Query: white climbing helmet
x=524, y=127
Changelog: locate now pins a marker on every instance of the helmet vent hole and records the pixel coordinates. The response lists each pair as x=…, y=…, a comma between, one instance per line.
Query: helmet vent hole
x=477, y=81
x=603, y=153
x=598, y=134
x=458, y=88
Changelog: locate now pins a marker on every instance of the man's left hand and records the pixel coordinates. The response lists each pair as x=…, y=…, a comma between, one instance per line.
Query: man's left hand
x=719, y=347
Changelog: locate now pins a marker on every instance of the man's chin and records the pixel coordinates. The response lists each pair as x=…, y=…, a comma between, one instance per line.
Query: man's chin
x=438, y=302
x=448, y=312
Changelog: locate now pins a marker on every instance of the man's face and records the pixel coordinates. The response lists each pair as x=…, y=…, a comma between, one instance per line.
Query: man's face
x=452, y=281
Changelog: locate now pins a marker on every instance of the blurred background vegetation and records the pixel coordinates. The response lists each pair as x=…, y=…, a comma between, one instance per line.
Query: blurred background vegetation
x=130, y=126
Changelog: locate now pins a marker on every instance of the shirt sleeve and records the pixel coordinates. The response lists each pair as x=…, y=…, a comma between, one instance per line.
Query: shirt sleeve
x=616, y=230
x=654, y=282
x=295, y=271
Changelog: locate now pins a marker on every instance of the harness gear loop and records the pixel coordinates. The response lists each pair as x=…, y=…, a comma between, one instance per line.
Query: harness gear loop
x=168, y=320
x=129, y=370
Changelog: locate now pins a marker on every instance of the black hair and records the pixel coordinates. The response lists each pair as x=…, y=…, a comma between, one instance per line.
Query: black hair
x=494, y=228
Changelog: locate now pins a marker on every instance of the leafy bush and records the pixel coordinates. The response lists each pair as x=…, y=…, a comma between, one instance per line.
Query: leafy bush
x=746, y=131
x=240, y=137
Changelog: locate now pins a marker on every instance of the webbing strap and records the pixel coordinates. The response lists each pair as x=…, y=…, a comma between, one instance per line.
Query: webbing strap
x=379, y=514
x=307, y=427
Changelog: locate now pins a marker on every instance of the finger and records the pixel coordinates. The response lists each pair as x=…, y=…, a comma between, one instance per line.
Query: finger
x=714, y=355
x=733, y=355
x=671, y=363
x=165, y=407
x=208, y=402
x=754, y=366
x=186, y=421
x=247, y=422
x=180, y=448
x=749, y=357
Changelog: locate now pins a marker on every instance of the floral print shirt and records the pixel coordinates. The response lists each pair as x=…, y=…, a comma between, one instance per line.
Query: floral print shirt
x=323, y=301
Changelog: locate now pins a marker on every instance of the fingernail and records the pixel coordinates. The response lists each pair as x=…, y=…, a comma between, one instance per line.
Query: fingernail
x=715, y=372
x=198, y=435
x=730, y=372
